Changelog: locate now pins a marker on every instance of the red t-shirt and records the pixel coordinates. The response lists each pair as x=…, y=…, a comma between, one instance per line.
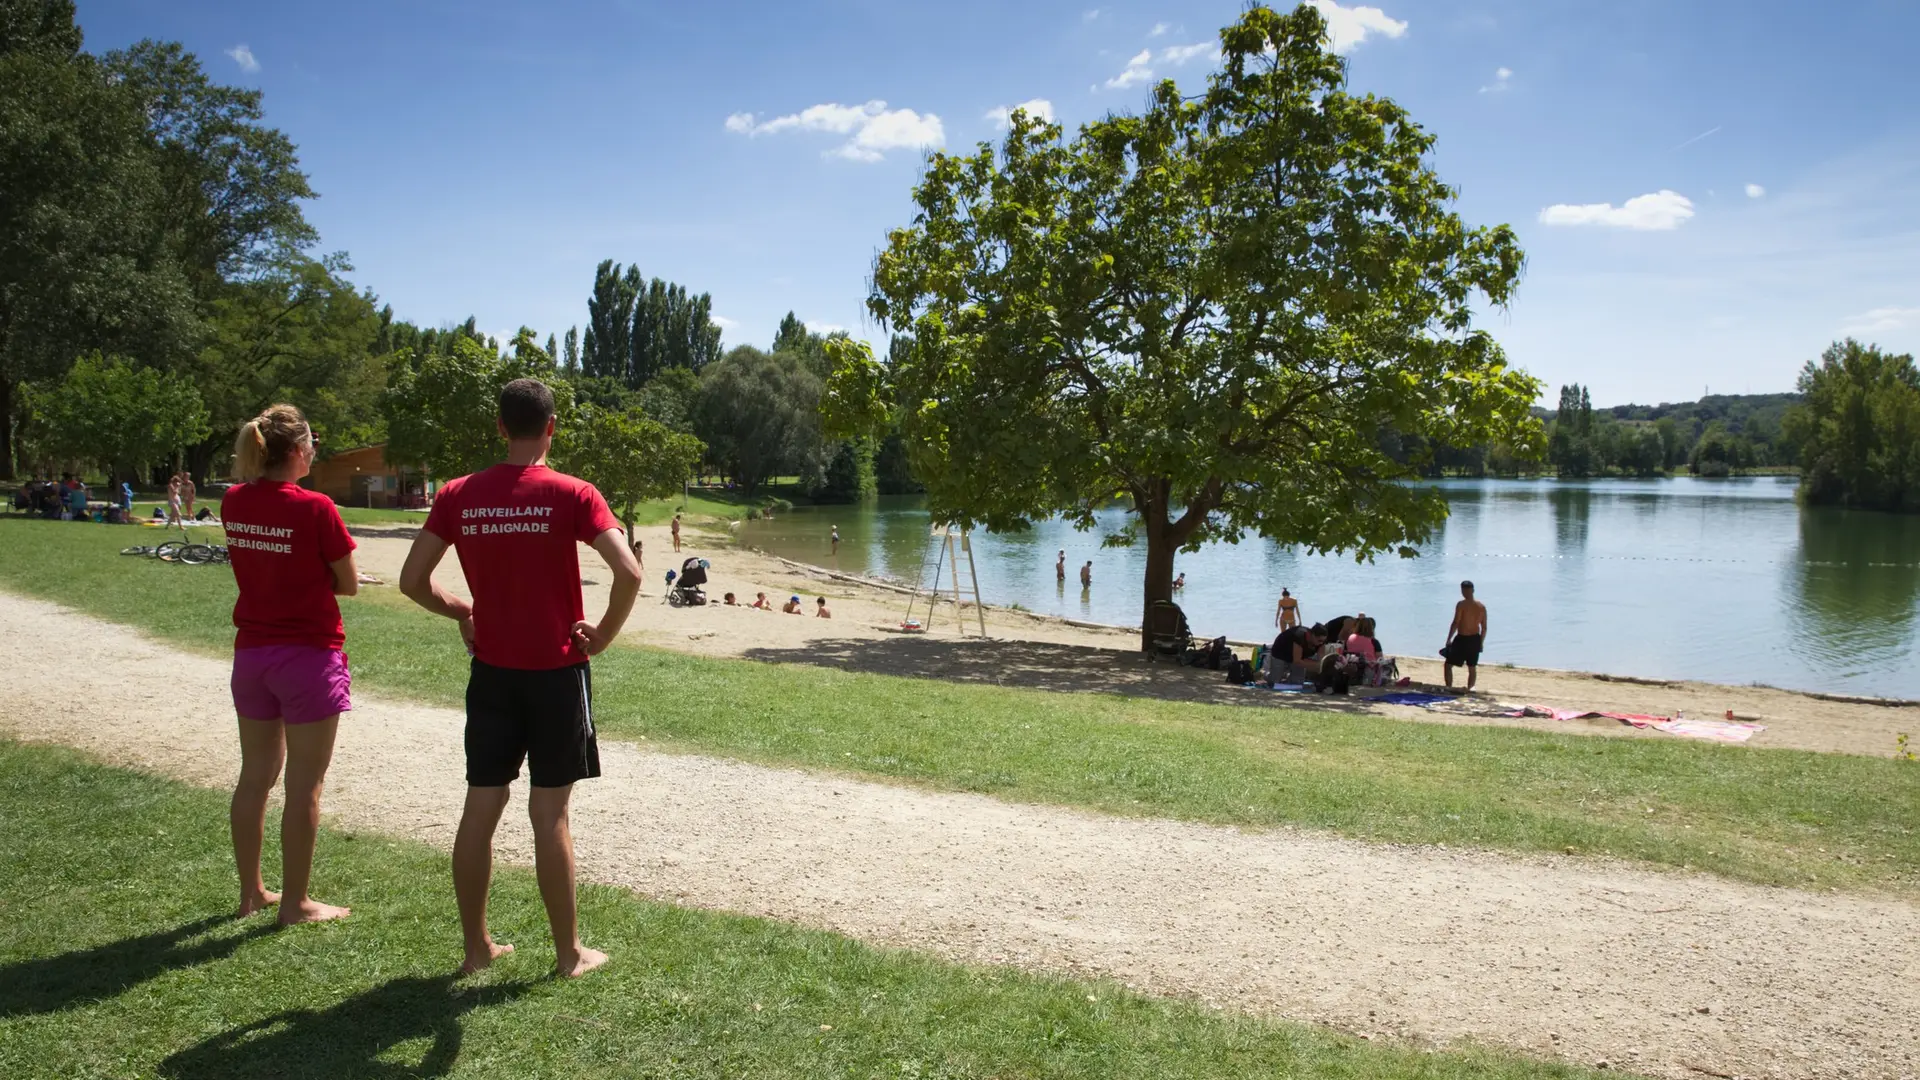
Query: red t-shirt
x=281, y=539
x=516, y=528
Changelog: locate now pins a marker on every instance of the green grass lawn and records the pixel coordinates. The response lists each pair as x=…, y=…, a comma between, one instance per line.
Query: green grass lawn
x=116, y=961
x=1771, y=816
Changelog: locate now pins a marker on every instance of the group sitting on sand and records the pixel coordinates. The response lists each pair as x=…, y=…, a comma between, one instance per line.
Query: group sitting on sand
x=1344, y=651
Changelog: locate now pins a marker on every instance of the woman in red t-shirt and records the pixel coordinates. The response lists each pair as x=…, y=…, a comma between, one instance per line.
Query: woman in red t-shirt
x=291, y=557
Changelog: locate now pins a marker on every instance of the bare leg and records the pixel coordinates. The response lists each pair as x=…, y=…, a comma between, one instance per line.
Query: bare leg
x=309, y=752
x=473, y=874
x=1473, y=672
x=553, y=865
x=261, y=754
x=1447, y=673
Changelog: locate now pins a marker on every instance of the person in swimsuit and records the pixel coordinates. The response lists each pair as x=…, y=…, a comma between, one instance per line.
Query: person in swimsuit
x=1466, y=636
x=188, y=493
x=1180, y=582
x=173, y=499
x=836, y=540
x=292, y=559
x=1287, y=615
x=792, y=606
x=761, y=603
x=1086, y=575
x=1060, y=567
x=517, y=528
x=820, y=609
x=676, y=532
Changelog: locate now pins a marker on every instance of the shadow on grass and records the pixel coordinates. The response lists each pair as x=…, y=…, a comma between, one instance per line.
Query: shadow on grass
x=361, y=1038
x=53, y=983
x=1041, y=665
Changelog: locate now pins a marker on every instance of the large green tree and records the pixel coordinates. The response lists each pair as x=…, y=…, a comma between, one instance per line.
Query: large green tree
x=233, y=188
x=1858, y=434
x=629, y=457
x=301, y=333
x=1207, y=310
x=85, y=262
x=441, y=410
x=759, y=415
x=117, y=414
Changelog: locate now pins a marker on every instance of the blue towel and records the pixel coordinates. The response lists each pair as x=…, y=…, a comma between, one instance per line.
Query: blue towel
x=1410, y=697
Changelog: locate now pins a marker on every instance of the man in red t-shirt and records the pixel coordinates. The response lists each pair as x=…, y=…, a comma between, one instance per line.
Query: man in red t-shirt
x=530, y=695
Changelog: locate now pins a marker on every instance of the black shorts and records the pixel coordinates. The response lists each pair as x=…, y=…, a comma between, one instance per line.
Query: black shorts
x=542, y=717
x=1465, y=649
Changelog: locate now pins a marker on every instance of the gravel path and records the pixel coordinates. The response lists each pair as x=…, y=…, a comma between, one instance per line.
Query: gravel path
x=1662, y=973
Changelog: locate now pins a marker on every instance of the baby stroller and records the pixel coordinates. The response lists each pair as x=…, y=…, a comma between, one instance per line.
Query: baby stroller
x=684, y=589
x=1168, y=632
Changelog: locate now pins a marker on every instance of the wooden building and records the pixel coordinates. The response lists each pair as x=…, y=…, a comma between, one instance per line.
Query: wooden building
x=362, y=477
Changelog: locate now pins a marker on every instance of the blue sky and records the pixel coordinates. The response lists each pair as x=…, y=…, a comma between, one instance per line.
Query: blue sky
x=1709, y=192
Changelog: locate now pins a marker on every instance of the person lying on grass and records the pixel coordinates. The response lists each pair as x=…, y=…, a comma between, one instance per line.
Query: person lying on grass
x=291, y=558
x=517, y=527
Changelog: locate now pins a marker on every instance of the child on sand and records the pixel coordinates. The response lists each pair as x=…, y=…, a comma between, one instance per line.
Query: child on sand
x=792, y=606
x=291, y=558
x=761, y=603
x=730, y=601
x=820, y=609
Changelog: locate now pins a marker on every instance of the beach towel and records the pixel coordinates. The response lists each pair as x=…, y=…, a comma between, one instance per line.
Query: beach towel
x=1410, y=697
x=1728, y=731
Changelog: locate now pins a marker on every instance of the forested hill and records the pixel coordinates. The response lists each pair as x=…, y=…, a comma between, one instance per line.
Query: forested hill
x=1714, y=436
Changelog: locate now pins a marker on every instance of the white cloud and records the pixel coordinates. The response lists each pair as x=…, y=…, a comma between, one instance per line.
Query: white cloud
x=1040, y=108
x=1180, y=54
x=874, y=127
x=1090, y=14
x=824, y=328
x=1159, y=30
x=243, y=56
x=1501, y=77
x=723, y=322
x=1658, y=212
x=1755, y=191
x=1349, y=26
x=1136, y=71
x=1880, y=320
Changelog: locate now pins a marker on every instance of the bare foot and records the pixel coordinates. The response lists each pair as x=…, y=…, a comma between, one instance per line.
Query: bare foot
x=311, y=910
x=259, y=901
x=586, y=960
x=479, y=961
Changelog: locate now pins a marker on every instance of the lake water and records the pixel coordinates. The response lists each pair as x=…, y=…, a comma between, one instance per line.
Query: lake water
x=1720, y=580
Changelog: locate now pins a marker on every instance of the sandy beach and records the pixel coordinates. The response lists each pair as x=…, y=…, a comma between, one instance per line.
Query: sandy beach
x=1038, y=652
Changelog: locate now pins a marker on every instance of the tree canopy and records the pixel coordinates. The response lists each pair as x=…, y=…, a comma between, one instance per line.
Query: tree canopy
x=1208, y=310
x=636, y=329
x=1858, y=433
x=759, y=414
x=441, y=412
x=629, y=457
x=110, y=410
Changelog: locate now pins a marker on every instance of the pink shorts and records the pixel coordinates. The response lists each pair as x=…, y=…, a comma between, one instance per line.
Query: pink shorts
x=295, y=684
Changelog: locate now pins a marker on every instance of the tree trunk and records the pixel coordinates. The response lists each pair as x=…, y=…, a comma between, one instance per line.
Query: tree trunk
x=6, y=428
x=1159, y=584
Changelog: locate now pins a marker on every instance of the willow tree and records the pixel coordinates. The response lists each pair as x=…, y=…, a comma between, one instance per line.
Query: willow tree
x=1207, y=311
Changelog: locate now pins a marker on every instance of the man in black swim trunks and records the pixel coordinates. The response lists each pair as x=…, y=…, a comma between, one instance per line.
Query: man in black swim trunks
x=1465, y=636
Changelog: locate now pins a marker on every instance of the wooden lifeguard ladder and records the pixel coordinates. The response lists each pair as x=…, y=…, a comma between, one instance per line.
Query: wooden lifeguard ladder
x=950, y=541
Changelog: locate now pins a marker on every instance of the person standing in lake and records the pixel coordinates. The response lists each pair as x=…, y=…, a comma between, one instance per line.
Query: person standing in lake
x=517, y=528
x=1287, y=615
x=1060, y=567
x=836, y=540
x=1086, y=575
x=1465, y=636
